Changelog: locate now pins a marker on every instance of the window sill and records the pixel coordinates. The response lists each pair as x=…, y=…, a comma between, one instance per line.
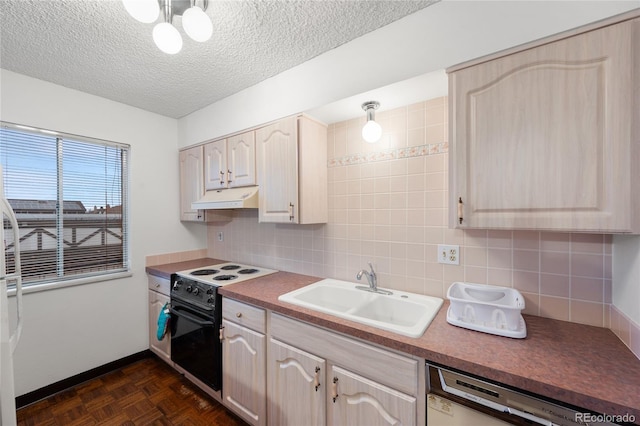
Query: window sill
x=36, y=288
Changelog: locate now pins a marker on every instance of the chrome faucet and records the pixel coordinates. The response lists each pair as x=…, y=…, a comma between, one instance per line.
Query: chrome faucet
x=372, y=278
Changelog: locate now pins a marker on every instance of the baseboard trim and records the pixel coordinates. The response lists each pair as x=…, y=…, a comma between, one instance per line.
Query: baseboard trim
x=54, y=388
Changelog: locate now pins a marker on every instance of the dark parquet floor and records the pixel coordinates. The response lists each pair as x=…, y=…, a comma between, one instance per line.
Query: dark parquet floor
x=147, y=392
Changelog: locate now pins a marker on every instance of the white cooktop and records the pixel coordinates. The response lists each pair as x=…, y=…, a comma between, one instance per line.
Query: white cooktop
x=226, y=273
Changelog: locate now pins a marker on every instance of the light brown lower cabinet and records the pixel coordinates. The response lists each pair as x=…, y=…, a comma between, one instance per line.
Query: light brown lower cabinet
x=317, y=377
x=244, y=354
x=307, y=375
x=297, y=386
x=158, y=297
x=356, y=400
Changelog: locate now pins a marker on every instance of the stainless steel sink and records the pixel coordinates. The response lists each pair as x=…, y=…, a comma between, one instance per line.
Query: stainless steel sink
x=408, y=314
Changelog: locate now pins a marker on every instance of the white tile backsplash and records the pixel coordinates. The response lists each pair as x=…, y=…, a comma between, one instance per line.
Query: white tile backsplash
x=387, y=205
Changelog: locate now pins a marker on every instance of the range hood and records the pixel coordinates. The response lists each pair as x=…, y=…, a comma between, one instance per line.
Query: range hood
x=232, y=198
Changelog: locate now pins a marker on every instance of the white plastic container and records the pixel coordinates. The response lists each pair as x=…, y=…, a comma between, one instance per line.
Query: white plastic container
x=487, y=308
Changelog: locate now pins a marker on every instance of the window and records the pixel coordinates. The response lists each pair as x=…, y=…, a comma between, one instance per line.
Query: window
x=69, y=195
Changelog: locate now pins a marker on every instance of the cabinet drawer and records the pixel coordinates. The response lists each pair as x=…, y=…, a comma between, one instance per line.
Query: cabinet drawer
x=243, y=314
x=386, y=367
x=161, y=285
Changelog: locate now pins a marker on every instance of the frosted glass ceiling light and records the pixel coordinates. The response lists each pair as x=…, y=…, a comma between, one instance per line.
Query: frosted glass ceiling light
x=165, y=35
x=145, y=11
x=196, y=23
x=167, y=38
x=371, y=131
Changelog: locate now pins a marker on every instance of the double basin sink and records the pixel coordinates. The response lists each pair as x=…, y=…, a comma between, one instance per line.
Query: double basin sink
x=401, y=312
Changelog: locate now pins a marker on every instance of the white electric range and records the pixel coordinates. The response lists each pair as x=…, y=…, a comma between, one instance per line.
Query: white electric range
x=225, y=273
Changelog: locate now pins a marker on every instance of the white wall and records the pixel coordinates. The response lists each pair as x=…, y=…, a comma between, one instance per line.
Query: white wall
x=626, y=275
x=432, y=39
x=71, y=330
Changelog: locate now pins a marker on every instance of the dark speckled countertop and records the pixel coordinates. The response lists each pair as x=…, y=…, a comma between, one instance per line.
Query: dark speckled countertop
x=577, y=364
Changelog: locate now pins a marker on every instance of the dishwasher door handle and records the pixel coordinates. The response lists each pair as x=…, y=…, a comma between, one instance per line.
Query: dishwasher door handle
x=530, y=417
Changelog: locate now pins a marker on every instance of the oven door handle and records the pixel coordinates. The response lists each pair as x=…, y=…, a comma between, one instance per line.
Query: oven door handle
x=192, y=318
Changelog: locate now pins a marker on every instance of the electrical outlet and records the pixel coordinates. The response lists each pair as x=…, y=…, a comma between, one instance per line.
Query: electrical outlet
x=448, y=254
x=220, y=236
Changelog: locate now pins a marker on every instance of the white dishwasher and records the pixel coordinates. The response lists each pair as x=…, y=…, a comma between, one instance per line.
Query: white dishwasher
x=444, y=412
x=458, y=399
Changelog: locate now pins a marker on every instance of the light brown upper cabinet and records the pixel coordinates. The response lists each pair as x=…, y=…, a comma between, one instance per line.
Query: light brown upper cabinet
x=230, y=162
x=546, y=136
x=192, y=188
x=292, y=171
x=191, y=183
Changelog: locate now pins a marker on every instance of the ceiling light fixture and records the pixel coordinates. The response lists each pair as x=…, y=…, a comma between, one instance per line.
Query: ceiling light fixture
x=371, y=131
x=195, y=21
x=145, y=11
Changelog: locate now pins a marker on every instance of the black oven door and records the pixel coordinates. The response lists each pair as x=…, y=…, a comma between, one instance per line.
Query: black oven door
x=195, y=343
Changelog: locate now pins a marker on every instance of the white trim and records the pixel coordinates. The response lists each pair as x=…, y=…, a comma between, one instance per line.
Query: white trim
x=36, y=288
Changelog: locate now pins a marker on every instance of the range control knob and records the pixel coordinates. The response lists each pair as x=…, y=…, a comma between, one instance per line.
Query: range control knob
x=211, y=300
x=196, y=291
x=189, y=289
x=210, y=291
x=176, y=285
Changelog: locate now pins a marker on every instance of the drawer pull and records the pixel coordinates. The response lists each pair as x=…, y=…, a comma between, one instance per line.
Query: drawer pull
x=221, y=333
x=239, y=315
x=316, y=379
x=334, y=389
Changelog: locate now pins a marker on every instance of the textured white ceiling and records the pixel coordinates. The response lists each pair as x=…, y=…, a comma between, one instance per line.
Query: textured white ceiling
x=94, y=46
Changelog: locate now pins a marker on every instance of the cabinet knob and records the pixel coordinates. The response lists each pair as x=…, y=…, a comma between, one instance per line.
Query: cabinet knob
x=239, y=315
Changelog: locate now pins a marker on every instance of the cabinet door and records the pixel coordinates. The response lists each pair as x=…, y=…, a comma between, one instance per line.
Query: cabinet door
x=215, y=165
x=355, y=400
x=191, y=183
x=242, y=159
x=541, y=139
x=162, y=348
x=244, y=372
x=277, y=155
x=296, y=386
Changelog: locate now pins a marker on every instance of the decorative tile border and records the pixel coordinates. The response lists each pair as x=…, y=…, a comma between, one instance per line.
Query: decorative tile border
x=391, y=154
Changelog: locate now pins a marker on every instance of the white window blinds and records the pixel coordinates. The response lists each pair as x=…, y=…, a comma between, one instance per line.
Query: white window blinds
x=69, y=195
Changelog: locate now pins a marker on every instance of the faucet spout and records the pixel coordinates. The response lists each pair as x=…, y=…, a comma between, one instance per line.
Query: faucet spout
x=372, y=278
